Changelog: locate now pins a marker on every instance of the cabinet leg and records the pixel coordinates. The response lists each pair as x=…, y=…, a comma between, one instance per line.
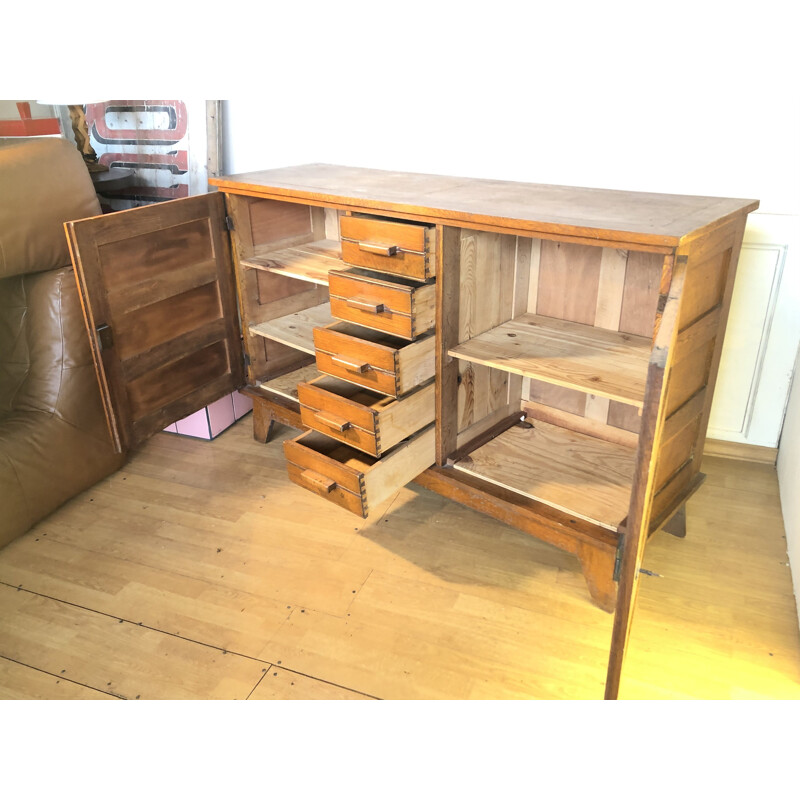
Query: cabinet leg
x=677, y=525
x=598, y=570
x=262, y=421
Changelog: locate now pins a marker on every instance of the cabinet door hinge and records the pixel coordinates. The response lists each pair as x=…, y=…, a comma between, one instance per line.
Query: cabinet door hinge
x=618, y=557
x=246, y=359
x=229, y=223
x=104, y=336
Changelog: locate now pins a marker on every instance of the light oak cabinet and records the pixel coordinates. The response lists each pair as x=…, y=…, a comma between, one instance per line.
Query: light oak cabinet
x=542, y=354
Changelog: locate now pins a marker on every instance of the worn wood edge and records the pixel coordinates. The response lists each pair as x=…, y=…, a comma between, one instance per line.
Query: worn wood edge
x=243, y=183
x=530, y=516
x=558, y=231
x=741, y=451
x=105, y=393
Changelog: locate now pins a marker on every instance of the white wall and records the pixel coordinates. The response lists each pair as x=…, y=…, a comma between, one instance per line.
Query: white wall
x=688, y=100
x=789, y=480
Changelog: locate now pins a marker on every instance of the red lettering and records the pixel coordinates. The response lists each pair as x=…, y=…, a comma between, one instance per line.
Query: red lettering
x=97, y=118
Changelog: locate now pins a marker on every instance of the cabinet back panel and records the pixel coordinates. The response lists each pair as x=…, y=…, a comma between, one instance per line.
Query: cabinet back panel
x=273, y=221
x=624, y=416
x=640, y=293
x=569, y=278
x=559, y=397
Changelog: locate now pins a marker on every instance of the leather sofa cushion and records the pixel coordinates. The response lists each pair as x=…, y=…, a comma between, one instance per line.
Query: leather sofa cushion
x=45, y=183
x=54, y=441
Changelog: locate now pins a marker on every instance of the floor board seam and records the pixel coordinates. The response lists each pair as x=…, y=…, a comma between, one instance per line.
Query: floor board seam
x=62, y=678
x=223, y=650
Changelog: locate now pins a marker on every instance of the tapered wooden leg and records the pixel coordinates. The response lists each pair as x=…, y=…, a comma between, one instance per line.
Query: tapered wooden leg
x=262, y=420
x=598, y=570
x=677, y=525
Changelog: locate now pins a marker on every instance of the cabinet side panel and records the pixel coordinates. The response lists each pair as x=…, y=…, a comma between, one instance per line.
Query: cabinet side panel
x=490, y=286
x=710, y=271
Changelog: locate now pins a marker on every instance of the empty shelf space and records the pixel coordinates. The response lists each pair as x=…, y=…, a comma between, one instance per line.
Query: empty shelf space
x=575, y=473
x=296, y=330
x=286, y=385
x=307, y=262
x=594, y=360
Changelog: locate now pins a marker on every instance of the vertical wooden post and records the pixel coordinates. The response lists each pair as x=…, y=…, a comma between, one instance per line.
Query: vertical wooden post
x=448, y=281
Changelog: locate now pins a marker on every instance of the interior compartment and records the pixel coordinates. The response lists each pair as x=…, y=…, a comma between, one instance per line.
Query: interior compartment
x=284, y=253
x=562, y=343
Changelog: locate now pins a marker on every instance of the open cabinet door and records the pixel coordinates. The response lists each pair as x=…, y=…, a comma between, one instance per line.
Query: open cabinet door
x=159, y=300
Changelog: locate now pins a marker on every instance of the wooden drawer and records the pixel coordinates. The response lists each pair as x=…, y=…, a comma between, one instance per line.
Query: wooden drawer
x=361, y=418
x=390, y=303
x=374, y=359
x=400, y=248
x=351, y=479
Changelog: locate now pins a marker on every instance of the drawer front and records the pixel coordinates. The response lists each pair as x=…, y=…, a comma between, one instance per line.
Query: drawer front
x=394, y=247
x=339, y=417
x=326, y=488
x=320, y=456
x=318, y=466
x=363, y=419
x=357, y=360
x=391, y=304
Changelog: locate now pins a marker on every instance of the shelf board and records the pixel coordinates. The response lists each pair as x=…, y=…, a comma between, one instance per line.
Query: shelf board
x=307, y=262
x=296, y=330
x=578, y=474
x=594, y=360
x=286, y=385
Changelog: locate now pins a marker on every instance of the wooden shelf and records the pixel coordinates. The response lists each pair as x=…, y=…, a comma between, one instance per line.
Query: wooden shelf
x=307, y=262
x=296, y=330
x=583, y=476
x=286, y=385
x=594, y=360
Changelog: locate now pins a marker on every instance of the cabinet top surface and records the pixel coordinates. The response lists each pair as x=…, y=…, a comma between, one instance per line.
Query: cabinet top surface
x=609, y=214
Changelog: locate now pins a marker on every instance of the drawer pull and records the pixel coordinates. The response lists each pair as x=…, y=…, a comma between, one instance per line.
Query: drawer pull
x=378, y=249
x=353, y=366
x=320, y=481
x=369, y=306
x=332, y=421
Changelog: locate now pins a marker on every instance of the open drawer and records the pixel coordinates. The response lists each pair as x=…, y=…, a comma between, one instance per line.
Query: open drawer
x=373, y=359
x=399, y=248
x=361, y=418
x=389, y=303
x=351, y=479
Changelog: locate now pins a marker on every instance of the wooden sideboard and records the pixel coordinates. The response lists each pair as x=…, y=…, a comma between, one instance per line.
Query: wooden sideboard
x=545, y=355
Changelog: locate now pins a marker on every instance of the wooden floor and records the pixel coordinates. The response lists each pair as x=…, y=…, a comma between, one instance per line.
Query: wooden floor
x=200, y=571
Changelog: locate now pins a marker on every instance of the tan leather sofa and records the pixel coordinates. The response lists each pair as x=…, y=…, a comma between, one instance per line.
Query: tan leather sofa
x=54, y=442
